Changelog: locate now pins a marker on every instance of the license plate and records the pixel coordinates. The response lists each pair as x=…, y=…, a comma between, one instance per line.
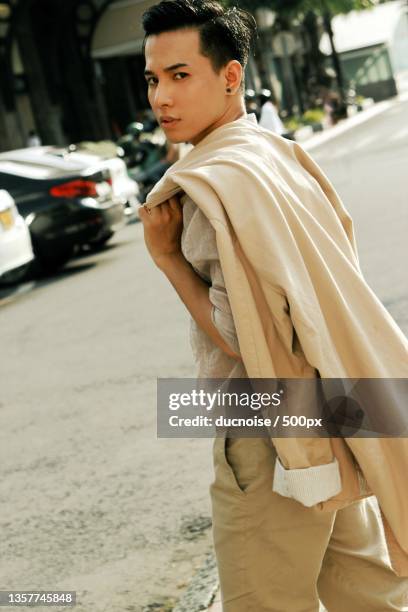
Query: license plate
x=6, y=219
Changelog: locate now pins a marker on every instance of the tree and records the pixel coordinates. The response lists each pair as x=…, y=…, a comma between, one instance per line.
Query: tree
x=307, y=11
x=327, y=9
x=298, y=7
x=285, y=9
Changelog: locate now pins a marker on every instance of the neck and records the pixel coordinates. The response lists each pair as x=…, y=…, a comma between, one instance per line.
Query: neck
x=231, y=114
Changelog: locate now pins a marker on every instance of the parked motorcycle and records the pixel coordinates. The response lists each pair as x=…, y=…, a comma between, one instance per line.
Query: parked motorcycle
x=145, y=156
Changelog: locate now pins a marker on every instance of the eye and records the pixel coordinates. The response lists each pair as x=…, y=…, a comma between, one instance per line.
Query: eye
x=184, y=74
x=149, y=80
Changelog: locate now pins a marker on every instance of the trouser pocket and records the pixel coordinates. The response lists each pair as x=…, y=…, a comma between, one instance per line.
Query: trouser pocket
x=242, y=463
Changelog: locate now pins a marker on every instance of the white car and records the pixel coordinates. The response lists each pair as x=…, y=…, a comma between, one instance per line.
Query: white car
x=16, y=251
x=124, y=188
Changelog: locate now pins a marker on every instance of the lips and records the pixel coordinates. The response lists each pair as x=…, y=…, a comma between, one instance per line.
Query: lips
x=168, y=121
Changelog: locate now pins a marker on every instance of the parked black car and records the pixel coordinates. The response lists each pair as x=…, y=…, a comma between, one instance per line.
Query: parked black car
x=64, y=204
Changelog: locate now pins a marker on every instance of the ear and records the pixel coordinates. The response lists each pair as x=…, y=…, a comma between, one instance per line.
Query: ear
x=233, y=76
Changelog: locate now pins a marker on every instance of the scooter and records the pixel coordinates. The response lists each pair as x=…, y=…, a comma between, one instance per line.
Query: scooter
x=144, y=155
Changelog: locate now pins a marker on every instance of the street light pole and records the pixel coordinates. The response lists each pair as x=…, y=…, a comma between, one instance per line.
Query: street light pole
x=265, y=19
x=335, y=58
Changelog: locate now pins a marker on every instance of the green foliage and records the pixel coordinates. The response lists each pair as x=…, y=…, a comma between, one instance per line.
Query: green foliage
x=295, y=7
x=279, y=6
x=310, y=117
x=313, y=115
x=283, y=7
x=337, y=6
x=293, y=123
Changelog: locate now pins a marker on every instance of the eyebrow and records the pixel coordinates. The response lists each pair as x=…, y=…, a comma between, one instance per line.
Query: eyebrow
x=168, y=69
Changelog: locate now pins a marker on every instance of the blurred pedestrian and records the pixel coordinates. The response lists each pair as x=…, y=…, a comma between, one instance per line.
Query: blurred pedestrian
x=251, y=103
x=33, y=140
x=270, y=119
x=331, y=107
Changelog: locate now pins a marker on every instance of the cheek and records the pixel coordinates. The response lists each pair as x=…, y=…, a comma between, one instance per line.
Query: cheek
x=203, y=95
x=150, y=97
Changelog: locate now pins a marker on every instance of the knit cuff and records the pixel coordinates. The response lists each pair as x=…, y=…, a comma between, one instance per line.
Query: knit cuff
x=308, y=486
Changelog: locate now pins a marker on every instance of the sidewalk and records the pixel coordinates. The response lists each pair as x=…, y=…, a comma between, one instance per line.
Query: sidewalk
x=216, y=606
x=348, y=124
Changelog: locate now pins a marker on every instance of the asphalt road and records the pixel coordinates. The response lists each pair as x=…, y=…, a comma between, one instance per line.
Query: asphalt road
x=90, y=500
x=368, y=166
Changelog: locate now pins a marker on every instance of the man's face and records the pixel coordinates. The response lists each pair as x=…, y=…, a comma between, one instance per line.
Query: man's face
x=192, y=93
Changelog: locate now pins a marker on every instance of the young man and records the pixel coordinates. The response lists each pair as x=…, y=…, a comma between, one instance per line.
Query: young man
x=274, y=553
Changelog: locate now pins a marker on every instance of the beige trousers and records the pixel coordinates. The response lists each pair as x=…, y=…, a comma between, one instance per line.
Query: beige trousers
x=276, y=555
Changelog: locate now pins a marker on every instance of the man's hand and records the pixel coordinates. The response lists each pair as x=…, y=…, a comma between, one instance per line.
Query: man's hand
x=163, y=226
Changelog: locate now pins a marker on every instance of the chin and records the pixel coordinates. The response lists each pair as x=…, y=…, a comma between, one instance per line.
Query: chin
x=175, y=139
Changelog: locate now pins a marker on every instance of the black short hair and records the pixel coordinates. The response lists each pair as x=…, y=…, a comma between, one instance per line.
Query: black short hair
x=225, y=33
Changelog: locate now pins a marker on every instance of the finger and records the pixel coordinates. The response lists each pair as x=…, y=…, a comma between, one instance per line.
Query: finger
x=154, y=213
x=142, y=212
x=164, y=210
x=174, y=203
x=176, y=207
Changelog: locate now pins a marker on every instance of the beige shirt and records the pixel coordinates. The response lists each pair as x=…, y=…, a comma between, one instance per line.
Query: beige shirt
x=198, y=244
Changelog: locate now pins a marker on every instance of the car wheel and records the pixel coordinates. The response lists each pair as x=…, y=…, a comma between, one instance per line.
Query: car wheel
x=16, y=276
x=97, y=245
x=50, y=263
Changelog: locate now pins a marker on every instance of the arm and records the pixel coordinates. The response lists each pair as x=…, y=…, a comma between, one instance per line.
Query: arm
x=162, y=230
x=194, y=293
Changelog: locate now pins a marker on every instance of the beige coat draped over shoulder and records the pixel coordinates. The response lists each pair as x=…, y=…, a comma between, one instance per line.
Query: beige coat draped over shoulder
x=298, y=298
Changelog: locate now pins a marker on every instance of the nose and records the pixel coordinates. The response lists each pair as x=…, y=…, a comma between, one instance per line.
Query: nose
x=163, y=96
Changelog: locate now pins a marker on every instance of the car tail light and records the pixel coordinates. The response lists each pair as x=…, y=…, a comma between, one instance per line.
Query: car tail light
x=74, y=189
x=8, y=218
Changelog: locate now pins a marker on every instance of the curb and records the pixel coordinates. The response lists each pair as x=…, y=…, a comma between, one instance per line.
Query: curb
x=202, y=589
x=348, y=124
